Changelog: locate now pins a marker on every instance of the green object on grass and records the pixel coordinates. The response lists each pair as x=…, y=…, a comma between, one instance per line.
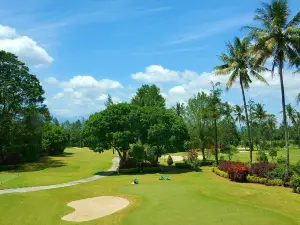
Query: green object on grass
x=161, y=178
x=135, y=181
x=167, y=178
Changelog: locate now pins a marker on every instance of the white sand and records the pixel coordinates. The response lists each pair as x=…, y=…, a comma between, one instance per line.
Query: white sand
x=94, y=208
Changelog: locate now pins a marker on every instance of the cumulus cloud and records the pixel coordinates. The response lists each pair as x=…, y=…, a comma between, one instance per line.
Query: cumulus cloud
x=82, y=95
x=24, y=47
x=156, y=73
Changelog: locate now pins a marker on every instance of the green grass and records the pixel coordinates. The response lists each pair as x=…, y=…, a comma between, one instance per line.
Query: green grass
x=189, y=198
x=244, y=156
x=73, y=165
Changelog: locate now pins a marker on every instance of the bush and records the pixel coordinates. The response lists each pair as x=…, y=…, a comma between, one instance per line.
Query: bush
x=192, y=155
x=261, y=156
x=273, y=153
x=238, y=173
x=257, y=180
x=220, y=172
x=137, y=151
x=150, y=164
x=207, y=163
x=295, y=183
x=296, y=168
x=10, y=158
x=276, y=173
x=129, y=171
x=225, y=165
x=182, y=165
x=274, y=182
x=170, y=161
x=151, y=170
x=261, y=169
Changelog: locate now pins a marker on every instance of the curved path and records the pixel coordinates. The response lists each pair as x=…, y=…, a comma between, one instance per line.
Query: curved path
x=115, y=163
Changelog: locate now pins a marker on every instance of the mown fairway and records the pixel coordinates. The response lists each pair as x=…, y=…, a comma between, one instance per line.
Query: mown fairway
x=74, y=164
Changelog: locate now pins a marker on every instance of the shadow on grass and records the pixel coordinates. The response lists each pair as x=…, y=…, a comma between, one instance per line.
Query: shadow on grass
x=165, y=170
x=65, y=154
x=43, y=163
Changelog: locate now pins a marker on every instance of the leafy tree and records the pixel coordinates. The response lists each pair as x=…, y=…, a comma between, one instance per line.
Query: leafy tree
x=55, y=139
x=298, y=99
x=179, y=109
x=158, y=137
x=111, y=128
x=137, y=151
x=239, y=64
x=109, y=101
x=22, y=111
x=148, y=96
x=278, y=39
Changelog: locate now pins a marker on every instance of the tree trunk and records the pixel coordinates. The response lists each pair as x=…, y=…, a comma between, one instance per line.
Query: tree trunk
x=247, y=121
x=203, y=153
x=216, y=142
x=287, y=168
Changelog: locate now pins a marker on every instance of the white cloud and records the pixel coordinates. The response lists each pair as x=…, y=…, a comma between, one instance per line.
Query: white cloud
x=90, y=82
x=156, y=73
x=177, y=90
x=24, y=47
x=102, y=97
x=51, y=80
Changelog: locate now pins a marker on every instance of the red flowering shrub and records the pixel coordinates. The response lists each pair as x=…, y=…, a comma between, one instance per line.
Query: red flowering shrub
x=225, y=165
x=261, y=169
x=238, y=173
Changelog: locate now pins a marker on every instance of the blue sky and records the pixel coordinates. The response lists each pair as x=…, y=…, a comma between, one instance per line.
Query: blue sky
x=83, y=50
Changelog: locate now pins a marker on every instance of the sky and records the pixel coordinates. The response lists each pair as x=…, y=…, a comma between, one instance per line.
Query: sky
x=84, y=50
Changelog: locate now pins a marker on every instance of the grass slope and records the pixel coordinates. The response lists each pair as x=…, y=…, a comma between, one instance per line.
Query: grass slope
x=190, y=198
x=75, y=164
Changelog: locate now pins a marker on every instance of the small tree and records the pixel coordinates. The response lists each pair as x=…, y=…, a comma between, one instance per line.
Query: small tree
x=170, y=160
x=273, y=153
x=229, y=150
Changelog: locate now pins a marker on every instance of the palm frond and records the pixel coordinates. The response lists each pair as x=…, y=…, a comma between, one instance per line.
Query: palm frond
x=295, y=21
x=258, y=77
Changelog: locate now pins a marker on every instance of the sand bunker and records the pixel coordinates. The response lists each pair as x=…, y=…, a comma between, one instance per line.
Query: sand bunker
x=94, y=208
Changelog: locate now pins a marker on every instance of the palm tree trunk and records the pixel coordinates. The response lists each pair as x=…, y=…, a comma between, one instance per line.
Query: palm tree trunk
x=247, y=121
x=287, y=168
x=216, y=141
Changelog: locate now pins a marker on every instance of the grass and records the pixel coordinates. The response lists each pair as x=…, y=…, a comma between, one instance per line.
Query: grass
x=75, y=164
x=189, y=198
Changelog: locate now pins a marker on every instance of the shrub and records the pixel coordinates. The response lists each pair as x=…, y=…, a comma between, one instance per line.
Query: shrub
x=137, y=151
x=238, y=173
x=261, y=156
x=10, y=158
x=129, y=163
x=207, y=163
x=220, y=172
x=276, y=173
x=192, y=155
x=224, y=165
x=170, y=161
x=274, y=182
x=129, y=171
x=182, y=165
x=273, y=153
x=151, y=170
x=150, y=164
x=261, y=169
x=295, y=183
x=257, y=180
x=296, y=168
x=281, y=160
x=222, y=158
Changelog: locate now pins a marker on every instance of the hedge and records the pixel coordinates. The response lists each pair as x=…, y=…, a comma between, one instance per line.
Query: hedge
x=220, y=172
x=263, y=180
x=182, y=165
x=207, y=163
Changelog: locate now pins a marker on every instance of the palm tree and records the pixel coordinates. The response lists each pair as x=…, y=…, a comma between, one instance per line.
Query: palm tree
x=278, y=39
x=290, y=111
x=238, y=114
x=298, y=99
x=260, y=114
x=238, y=63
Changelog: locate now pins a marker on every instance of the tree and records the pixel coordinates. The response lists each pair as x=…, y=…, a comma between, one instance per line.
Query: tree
x=278, y=39
x=298, y=99
x=112, y=128
x=178, y=109
x=238, y=114
x=239, y=64
x=55, y=139
x=21, y=109
x=291, y=113
x=109, y=101
x=148, y=96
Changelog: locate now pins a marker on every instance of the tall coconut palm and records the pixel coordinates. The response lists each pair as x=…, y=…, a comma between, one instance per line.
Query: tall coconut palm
x=260, y=114
x=238, y=115
x=277, y=39
x=298, y=99
x=238, y=63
